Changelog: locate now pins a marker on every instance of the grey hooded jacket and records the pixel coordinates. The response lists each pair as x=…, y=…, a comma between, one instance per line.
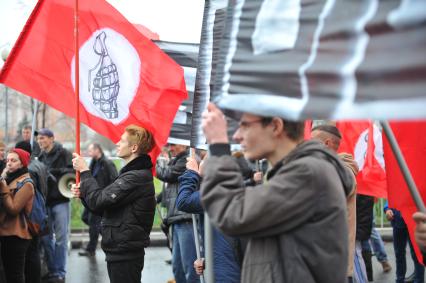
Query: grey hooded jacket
x=295, y=222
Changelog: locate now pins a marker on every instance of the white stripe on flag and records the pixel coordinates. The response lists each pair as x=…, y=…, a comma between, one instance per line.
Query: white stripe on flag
x=314, y=50
x=349, y=68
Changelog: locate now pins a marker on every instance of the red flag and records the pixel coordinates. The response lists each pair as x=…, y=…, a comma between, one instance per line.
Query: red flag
x=147, y=32
x=124, y=77
x=364, y=141
x=412, y=142
x=308, y=129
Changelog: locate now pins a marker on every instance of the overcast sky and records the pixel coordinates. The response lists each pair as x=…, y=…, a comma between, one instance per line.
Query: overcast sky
x=173, y=20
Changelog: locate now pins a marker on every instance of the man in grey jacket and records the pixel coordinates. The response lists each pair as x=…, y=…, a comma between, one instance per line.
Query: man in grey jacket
x=183, y=250
x=296, y=220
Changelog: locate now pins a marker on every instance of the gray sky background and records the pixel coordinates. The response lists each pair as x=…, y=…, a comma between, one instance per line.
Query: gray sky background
x=178, y=21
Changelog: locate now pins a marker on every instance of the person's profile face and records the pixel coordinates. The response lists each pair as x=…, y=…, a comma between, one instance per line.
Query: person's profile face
x=175, y=149
x=253, y=136
x=123, y=146
x=26, y=134
x=45, y=142
x=13, y=162
x=92, y=151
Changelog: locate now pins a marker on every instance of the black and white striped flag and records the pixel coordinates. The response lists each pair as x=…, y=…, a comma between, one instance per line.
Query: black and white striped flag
x=325, y=59
x=186, y=55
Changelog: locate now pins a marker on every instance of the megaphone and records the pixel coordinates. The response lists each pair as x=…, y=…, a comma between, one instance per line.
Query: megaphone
x=65, y=184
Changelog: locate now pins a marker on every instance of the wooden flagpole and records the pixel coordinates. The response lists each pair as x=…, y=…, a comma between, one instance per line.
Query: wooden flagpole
x=77, y=88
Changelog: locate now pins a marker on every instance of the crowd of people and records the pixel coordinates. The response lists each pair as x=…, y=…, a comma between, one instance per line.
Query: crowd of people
x=298, y=220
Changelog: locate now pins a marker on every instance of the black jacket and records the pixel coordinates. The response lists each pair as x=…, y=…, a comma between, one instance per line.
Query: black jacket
x=2, y=165
x=170, y=173
x=127, y=207
x=35, y=150
x=104, y=171
x=364, y=217
x=58, y=162
x=40, y=175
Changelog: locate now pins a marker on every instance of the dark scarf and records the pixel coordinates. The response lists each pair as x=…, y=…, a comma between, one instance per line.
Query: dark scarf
x=139, y=163
x=12, y=176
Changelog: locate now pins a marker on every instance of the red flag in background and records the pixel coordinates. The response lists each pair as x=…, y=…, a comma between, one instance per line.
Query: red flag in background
x=308, y=129
x=364, y=141
x=411, y=137
x=124, y=77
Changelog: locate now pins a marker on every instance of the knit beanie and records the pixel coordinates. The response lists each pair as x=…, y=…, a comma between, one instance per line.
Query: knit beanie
x=24, y=156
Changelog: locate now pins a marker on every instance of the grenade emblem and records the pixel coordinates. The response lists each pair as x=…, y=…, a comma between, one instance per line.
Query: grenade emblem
x=106, y=83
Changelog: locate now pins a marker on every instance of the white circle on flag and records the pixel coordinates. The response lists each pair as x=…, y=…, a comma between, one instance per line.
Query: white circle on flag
x=361, y=146
x=109, y=75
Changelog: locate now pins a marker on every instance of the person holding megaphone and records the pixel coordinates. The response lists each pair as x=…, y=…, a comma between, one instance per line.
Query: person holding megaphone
x=58, y=162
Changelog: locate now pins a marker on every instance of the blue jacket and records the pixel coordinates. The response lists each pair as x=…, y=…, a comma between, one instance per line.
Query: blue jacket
x=398, y=221
x=226, y=267
x=188, y=198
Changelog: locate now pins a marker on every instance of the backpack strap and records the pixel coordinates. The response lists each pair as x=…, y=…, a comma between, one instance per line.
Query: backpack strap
x=20, y=184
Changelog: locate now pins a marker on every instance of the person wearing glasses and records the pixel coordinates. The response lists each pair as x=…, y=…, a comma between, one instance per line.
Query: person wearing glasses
x=295, y=221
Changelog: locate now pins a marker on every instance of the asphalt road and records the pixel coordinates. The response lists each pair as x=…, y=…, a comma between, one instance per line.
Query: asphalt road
x=93, y=270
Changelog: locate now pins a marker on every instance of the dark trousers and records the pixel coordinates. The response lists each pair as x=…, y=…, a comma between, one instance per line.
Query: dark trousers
x=94, y=230
x=32, y=262
x=13, y=250
x=2, y=274
x=400, y=239
x=125, y=271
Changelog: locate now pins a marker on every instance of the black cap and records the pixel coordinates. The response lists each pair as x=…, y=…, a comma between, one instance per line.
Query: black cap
x=44, y=132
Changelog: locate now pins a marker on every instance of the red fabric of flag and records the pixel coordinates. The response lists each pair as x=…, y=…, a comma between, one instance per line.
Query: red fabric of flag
x=363, y=140
x=124, y=77
x=411, y=138
x=308, y=128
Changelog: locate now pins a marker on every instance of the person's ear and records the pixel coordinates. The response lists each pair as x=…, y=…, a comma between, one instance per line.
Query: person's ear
x=134, y=148
x=277, y=125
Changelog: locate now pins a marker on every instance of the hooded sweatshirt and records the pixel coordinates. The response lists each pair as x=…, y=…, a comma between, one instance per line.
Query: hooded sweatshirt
x=350, y=164
x=295, y=222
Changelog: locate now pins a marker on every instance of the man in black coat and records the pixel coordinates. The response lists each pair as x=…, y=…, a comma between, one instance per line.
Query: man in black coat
x=104, y=171
x=58, y=162
x=127, y=205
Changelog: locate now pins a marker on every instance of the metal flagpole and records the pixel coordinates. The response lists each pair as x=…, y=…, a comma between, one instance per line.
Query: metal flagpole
x=77, y=88
x=33, y=123
x=208, y=236
x=194, y=226
x=403, y=166
x=197, y=242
